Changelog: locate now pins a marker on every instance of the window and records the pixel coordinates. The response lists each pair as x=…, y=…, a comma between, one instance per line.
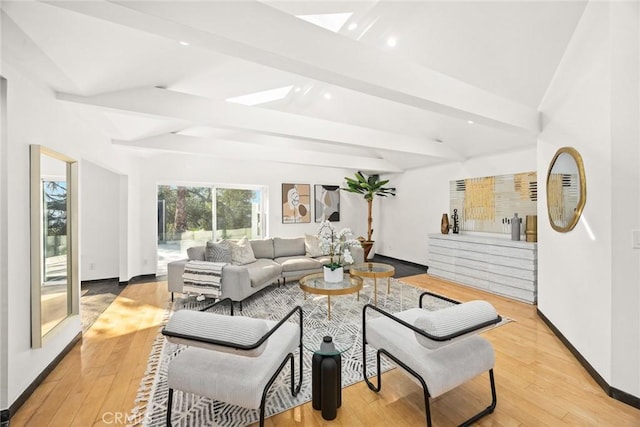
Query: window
x=189, y=216
x=238, y=213
x=54, y=232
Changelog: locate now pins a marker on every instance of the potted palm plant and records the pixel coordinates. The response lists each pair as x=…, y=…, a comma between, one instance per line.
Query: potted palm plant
x=369, y=186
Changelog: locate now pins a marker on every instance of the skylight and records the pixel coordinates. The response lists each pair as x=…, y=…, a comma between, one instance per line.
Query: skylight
x=329, y=21
x=261, y=97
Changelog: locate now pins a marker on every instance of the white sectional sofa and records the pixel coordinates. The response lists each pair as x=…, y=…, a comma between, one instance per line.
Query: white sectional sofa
x=276, y=258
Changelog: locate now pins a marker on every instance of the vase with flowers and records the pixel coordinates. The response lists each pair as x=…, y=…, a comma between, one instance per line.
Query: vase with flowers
x=336, y=244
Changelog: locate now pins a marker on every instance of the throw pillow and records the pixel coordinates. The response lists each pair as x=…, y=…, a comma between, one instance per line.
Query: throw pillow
x=241, y=252
x=196, y=253
x=218, y=251
x=312, y=245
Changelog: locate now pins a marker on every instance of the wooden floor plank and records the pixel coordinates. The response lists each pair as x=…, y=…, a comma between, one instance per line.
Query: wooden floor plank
x=538, y=381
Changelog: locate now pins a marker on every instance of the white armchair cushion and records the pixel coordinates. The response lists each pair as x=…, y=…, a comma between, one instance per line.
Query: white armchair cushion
x=229, y=377
x=210, y=326
x=450, y=320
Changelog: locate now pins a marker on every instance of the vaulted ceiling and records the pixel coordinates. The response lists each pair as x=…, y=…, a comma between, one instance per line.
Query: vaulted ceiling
x=380, y=86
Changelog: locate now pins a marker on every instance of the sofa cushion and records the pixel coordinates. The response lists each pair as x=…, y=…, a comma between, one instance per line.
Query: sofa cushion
x=312, y=245
x=196, y=253
x=288, y=247
x=325, y=259
x=297, y=263
x=262, y=248
x=241, y=252
x=217, y=251
x=263, y=271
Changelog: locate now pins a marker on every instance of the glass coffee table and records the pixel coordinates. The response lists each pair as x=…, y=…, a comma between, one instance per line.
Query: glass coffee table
x=315, y=284
x=374, y=270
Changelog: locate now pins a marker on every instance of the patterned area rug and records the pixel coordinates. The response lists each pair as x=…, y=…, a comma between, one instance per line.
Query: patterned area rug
x=274, y=303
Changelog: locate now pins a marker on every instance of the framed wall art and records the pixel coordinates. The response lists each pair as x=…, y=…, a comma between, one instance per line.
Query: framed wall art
x=296, y=203
x=327, y=203
x=487, y=204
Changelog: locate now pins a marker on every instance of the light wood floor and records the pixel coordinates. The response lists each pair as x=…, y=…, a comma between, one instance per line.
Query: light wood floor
x=538, y=381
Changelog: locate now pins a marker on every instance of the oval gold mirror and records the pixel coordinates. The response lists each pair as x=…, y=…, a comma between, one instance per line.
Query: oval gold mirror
x=566, y=189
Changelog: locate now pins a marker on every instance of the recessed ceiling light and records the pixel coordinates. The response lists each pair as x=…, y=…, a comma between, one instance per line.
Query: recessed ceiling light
x=392, y=42
x=470, y=122
x=352, y=26
x=327, y=95
x=183, y=43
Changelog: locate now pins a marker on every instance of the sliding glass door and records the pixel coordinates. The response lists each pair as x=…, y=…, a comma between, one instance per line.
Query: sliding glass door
x=190, y=215
x=238, y=213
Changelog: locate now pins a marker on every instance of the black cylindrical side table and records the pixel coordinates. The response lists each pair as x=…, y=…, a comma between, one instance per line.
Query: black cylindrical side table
x=326, y=379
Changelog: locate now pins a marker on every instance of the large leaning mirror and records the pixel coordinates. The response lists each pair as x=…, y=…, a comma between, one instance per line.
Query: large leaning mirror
x=54, y=242
x=566, y=189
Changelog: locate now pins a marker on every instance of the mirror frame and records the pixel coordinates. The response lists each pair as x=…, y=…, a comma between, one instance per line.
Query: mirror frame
x=73, y=276
x=583, y=189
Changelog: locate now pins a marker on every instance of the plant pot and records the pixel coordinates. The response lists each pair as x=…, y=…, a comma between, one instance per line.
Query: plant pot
x=333, y=276
x=367, y=246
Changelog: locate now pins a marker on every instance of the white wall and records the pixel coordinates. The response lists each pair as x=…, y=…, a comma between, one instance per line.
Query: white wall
x=4, y=248
x=423, y=196
x=195, y=170
x=35, y=117
x=100, y=222
x=588, y=278
x=625, y=158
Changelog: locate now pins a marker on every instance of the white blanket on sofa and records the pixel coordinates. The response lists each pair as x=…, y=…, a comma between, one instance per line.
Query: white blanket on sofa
x=203, y=278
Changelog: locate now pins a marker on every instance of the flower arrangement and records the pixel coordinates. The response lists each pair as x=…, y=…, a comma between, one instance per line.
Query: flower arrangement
x=336, y=244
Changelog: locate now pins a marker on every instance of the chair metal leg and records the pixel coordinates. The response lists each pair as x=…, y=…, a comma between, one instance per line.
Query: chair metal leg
x=294, y=392
x=364, y=368
x=489, y=409
x=364, y=358
x=425, y=389
x=169, y=403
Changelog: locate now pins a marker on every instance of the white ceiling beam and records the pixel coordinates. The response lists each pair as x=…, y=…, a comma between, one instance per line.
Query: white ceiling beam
x=200, y=110
x=18, y=48
x=244, y=151
x=258, y=33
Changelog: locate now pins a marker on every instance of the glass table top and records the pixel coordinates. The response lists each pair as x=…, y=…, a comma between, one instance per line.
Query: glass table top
x=315, y=283
x=373, y=268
